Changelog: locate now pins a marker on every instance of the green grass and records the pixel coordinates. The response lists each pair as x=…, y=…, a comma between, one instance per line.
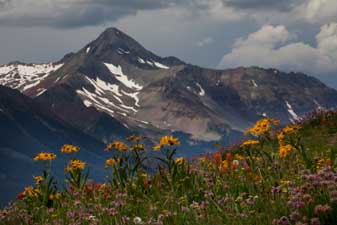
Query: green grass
x=252, y=184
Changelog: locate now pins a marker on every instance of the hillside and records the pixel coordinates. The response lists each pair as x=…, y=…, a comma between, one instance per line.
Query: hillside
x=279, y=175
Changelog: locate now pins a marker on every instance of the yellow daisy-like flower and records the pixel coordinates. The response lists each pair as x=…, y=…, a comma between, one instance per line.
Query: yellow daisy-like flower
x=137, y=147
x=118, y=146
x=144, y=175
x=69, y=149
x=75, y=165
x=262, y=126
x=38, y=179
x=30, y=191
x=168, y=141
x=290, y=129
x=58, y=195
x=135, y=138
x=44, y=156
x=180, y=161
x=110, y=162
x=239, y=157
x=284, y=150
x=156, y=148
x=249, y=143
x=202, y=159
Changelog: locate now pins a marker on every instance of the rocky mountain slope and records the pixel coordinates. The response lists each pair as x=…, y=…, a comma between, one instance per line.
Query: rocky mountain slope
x=114, y=85
x=27, y=128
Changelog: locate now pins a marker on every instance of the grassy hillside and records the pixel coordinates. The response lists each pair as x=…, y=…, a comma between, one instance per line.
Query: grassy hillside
x=279, y=175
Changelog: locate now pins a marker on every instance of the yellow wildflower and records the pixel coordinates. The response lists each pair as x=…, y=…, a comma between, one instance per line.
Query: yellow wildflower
x=144, y=175
x=38, y=179
x=249, y=142
x=239, y=157
x=290, y=129
x=44, y=156
x=69, y=148
x=180, y=161
x=280, y=138
x=166, y=140
x=58, y=195
x=262, y=126
x=137, y=147
x=118, y=146
x=110, y=162
x=224, y=165
x=284, y=149
x=156, y=148
x=75, y=165
x=51, y=197
x=202, y=159
x=30, y=191
x=135, y=138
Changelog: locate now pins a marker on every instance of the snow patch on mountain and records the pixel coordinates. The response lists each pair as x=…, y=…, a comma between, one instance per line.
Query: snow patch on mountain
x=294, y=116
x=133, y=95
x=122, y=51
x=140, y=60
x=25, y=76
x=120, y=76
x=202, y=91
x=254, y=83
x=161, y=66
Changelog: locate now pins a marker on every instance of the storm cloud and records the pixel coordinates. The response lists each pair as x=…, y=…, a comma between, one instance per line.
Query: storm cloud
x=77, y=13
x=278, y=5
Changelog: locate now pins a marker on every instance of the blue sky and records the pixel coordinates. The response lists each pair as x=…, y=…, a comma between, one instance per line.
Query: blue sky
x=291, y=35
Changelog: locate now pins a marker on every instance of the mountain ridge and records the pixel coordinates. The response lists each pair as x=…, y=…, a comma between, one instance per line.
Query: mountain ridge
x=117, y=77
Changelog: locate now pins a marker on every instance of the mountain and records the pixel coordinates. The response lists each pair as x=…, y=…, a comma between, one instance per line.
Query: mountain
x=27, y=128
x=114, y=86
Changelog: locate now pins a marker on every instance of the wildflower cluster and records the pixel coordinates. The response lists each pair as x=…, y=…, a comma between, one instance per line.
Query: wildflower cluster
x=262, y=181
x=69, y=148
x=45, y=156
x=262, y=127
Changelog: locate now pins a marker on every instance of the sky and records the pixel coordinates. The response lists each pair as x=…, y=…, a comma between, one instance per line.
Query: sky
x=290, y=35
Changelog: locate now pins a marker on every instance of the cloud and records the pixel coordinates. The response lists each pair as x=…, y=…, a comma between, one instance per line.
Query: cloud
x=72, y=13
x=320, y=11
x=77, y=13
x=273, y=46
x=278, y=5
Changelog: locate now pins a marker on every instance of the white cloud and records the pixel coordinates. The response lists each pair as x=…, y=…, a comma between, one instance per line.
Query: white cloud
x=321, y=11
x=273, y=46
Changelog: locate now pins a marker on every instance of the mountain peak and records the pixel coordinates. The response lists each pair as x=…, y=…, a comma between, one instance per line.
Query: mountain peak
x=114, y=45
x=112, y=39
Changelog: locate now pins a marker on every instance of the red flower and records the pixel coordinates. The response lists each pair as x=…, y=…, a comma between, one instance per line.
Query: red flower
x=217, y=158
x=21, y=195
x=146, y=184
x=329, y=162
x=229, y=157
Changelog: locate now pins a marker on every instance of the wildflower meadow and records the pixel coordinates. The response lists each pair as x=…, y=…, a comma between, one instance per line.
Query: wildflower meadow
x=278, y=175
